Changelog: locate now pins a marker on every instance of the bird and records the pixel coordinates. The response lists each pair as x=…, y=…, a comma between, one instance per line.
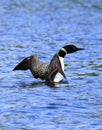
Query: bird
x=51, y=72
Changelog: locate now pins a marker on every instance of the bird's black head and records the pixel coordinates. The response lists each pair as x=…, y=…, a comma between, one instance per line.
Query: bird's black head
x=68, y=49
x=72, y=48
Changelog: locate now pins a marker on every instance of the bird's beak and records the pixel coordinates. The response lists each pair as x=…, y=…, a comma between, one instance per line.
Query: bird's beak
x=79, y=49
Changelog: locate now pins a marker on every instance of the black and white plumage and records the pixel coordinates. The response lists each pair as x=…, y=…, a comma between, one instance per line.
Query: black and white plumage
x=50, y=72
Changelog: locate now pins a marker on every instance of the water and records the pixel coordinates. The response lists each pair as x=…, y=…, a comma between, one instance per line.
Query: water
x=42, y=27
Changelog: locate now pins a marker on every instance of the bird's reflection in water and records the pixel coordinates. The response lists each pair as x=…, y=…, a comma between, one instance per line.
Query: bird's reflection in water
x=57, y=85
x=42, y=84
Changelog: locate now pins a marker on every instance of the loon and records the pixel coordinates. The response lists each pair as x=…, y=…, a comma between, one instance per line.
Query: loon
x=50, y=72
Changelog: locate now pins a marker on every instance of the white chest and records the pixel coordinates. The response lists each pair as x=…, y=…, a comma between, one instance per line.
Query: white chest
x=59, y=76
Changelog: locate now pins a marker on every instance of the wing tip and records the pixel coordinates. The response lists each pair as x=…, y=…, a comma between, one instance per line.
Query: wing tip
x=23, y=65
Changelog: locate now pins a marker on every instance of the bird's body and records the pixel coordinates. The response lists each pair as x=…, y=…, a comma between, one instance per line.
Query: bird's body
x=50, y=72
x=59, y=76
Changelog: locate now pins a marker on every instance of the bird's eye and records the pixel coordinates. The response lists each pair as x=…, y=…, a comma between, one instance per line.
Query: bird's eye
x=74, y=48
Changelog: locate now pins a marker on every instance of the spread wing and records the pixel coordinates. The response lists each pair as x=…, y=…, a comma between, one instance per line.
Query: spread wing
x=24, y=64
x=54, y=68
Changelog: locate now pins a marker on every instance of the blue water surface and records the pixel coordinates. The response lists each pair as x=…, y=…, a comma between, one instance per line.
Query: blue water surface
x=42, y=27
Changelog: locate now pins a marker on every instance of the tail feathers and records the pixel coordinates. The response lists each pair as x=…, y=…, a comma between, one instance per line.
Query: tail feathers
x=24, y=64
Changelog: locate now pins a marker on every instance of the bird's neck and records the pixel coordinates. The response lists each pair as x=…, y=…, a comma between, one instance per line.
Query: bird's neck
x=62, y=62
x=62, y=52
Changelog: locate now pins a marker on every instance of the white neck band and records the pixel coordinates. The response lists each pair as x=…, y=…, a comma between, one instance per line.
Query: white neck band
x=64, y=50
